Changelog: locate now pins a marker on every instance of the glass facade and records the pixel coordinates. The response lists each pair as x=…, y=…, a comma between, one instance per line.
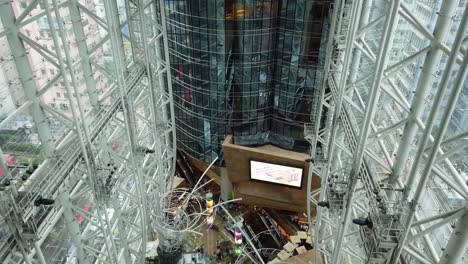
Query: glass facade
x=246, y=67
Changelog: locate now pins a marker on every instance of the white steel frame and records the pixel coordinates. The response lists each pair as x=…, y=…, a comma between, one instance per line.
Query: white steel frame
x=377, y=139
x=130, y=130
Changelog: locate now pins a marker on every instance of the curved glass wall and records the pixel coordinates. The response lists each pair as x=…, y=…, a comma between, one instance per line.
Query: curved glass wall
x=246, y=67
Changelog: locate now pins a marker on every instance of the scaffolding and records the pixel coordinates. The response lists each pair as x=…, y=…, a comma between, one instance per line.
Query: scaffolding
x=91, y=133
x=392, y=187
x=88, y=131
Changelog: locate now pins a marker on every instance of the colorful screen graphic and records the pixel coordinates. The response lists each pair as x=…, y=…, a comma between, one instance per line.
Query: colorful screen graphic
x=275, y=173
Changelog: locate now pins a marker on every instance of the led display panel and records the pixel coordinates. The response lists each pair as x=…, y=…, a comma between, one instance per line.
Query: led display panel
x=275, y=173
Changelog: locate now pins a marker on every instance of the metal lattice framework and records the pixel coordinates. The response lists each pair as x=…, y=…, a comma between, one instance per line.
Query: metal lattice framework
x=87, y=140
x=79, y=192
x=386, y=153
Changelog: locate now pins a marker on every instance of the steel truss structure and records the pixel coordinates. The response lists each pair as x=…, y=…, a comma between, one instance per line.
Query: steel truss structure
x=87, y=200
x=90, y=177
x=395, y=71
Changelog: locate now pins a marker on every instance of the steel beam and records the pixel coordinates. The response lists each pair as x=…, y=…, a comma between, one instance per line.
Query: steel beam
x=26, y=76
x=424, y=85
x=386, y=44
x=313, y=144
x=73, y=227
x=447, y=113
x=458, y=242
x=83, y=53
x=130, y=125
x=171, y=142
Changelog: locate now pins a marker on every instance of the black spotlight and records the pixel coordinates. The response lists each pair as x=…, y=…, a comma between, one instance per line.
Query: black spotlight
x=147, y=150
x=43, y=201
x=324, y=204
x=363, y=222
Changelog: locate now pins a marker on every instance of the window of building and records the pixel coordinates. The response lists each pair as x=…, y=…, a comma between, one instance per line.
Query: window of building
x=58, y=95
x=64, y=106
x=43, y=71
x=23, y=5
x=53, y=105
x=28, y=33
x=52, y=71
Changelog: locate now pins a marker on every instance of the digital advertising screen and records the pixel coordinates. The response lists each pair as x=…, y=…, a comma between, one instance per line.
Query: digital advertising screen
x=275, y=173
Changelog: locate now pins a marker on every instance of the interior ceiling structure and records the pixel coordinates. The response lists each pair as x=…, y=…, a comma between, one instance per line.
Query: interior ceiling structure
x=87, y=131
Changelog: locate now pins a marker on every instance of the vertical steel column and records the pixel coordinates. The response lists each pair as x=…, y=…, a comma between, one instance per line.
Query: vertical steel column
x=450, y=106
x=169, y=89
x=458, y=241
x=112, y=17
x=152, y=55
x=83, y=52
x=131, y=30
x=39, y=254
x=147, y=60
x=351, y=34
x=26, y=76
x=317, y=127
x=350, y=38
x=72, y=225
x=385, y=47
x=20, y=243
x=122, y=231
x=353, y=70
x=151, y=86
x=326, y=73
x=424, y=86
x=81, y=128
x=161, y=69
x=114, y=32
x=438, y=100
